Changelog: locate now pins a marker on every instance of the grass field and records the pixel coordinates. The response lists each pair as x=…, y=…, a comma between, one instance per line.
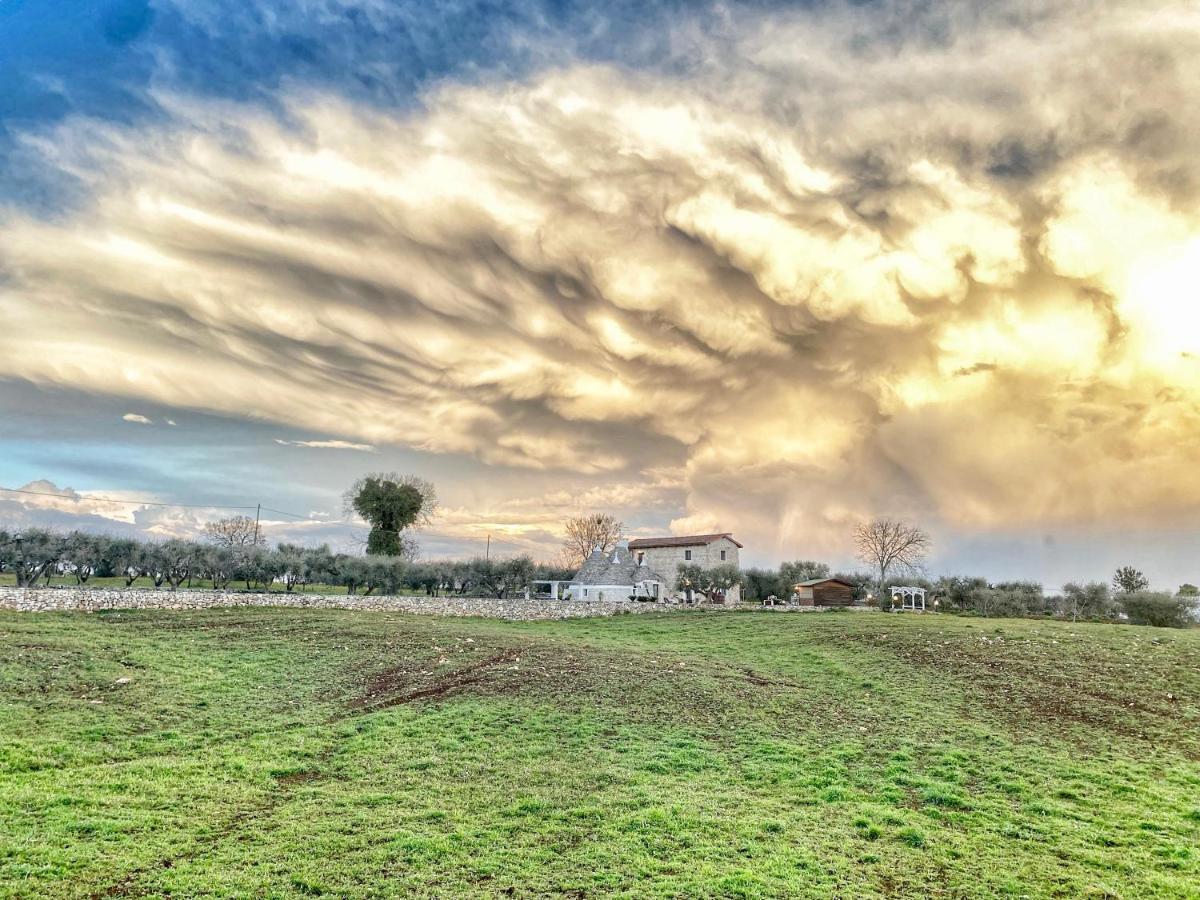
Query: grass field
x=282, y=753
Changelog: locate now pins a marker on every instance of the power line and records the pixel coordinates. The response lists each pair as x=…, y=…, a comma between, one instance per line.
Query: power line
x=297, y=516
x=78, y=497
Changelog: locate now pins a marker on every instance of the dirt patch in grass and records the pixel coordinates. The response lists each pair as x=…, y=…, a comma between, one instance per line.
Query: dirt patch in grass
x=760, y=680
x=294, y=778
x=645, y=687
x=392, y=687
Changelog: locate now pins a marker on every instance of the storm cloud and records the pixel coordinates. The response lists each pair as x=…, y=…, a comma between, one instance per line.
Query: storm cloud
x=817, y=265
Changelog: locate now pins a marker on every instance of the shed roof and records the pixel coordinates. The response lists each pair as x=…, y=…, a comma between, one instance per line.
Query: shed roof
x=689, y=540
x=815, y=581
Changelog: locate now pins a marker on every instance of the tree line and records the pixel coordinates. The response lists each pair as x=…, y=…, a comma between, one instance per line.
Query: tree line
x=1127, y=598
x=889, y=545
x=230, y=559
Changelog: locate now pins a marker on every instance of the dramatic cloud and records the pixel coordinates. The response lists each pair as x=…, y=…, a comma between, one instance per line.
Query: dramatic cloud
x=43, y=504
x=46, y=498
x=137, y=419
x=818, y=265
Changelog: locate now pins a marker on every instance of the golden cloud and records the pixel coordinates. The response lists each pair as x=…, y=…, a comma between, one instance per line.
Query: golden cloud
x=930, y=280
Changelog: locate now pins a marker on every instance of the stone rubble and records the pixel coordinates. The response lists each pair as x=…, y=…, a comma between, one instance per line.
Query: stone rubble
x=85, y=599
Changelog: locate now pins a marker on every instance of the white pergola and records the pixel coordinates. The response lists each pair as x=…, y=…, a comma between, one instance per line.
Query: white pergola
x=910, y=597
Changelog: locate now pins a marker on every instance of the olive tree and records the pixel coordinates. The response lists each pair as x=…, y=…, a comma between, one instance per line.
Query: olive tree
x=176, y=559
x=217, y=564
x=1128, y=580
x=515, y=575
x=1086, y=601
x=257, y=567
x=30, y=554
x=390, y=504
x=291, y=565
x=1162, y=610
x=712, y=583
x=83, y=554
x=127, y=557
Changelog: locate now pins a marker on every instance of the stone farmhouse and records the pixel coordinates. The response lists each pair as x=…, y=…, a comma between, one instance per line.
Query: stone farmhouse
x=667, y=554
x=646, y=567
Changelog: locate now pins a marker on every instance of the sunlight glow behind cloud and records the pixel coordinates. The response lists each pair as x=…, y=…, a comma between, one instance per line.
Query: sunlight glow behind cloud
x=950, y=276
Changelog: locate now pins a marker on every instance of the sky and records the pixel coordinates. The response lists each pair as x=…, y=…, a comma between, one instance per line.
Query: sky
x=770, y=269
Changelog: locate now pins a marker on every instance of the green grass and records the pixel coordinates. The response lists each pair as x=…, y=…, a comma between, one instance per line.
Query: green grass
x=281, y=753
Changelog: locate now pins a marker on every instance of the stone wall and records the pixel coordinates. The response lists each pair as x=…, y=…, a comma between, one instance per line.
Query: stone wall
x=93, y=599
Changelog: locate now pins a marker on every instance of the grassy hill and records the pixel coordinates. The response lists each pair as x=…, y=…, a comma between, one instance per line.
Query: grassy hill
x=286, y=753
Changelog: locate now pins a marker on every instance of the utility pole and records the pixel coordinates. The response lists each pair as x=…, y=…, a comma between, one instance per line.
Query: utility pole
x=257, y=514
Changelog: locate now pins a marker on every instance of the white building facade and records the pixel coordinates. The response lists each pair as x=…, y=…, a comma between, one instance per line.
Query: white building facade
x=618, y=575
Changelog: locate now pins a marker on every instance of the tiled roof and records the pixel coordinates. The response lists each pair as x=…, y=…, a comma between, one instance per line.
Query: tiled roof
x=690, y=540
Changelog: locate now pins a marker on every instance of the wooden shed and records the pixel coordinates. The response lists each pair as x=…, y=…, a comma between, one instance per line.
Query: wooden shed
x=824, y=592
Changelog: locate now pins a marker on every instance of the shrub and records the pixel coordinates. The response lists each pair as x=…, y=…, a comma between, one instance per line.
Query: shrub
x=1015, y=598
x=1163, y=610
x=958, y=591
x=1010, y=599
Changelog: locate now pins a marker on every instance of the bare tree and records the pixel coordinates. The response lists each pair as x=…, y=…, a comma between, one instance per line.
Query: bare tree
x=586, y=533
x=888, y=544
x=236, y=533
x=564, y=558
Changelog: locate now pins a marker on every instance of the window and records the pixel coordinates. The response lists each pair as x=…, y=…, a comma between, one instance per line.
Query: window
x=687, y=555
x=641, y=556
x=722, y=556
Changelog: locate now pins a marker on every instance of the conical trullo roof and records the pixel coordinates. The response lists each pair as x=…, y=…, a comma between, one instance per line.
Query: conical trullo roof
x=618, y=568
x=593, y=568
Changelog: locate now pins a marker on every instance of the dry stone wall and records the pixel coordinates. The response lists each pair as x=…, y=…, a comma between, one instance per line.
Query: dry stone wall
x=96, y=599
